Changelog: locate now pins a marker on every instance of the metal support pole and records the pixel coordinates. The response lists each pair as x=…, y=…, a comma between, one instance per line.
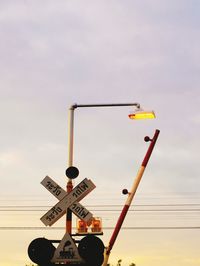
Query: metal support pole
x=106, y=105
x=69, y=186
x=130, y=197
x=71, y=136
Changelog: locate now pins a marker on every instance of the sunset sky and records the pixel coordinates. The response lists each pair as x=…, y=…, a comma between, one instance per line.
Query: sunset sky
x=57, y=53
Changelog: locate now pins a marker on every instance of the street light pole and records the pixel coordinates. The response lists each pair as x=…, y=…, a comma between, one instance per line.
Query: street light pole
x=71, y=135
x=71, y=122
x=71, y=143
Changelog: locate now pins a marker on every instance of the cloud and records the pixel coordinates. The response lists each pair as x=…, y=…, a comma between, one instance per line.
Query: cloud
x=9, y=159
x=54, y=54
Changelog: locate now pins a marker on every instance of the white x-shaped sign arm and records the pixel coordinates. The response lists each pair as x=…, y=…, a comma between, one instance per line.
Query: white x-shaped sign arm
x=67, y=200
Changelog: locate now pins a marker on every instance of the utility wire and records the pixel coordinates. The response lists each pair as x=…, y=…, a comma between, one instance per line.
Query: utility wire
x=111, y=205
x=107, y=210
x=24, y=228
x=105, y=205
x=184, y=207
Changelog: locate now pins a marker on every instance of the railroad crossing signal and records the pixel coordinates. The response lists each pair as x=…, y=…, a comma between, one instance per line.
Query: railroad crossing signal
x=67, y=250
x=67, y=200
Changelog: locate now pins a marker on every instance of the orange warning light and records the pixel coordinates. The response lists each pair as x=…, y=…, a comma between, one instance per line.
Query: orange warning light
x=82, y=227
x=96, y=226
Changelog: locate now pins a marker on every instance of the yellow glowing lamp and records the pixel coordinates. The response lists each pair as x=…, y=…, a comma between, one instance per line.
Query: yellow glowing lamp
x=81, y=227
x=96, y=226
x=141, y=114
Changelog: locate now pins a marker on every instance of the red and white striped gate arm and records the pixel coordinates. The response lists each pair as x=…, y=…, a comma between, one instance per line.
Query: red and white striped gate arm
x=130, y=196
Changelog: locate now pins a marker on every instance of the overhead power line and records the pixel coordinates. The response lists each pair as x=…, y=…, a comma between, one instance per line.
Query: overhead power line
x=106, y=205
x=111, y=208
x=107, y=210
x=24, y=228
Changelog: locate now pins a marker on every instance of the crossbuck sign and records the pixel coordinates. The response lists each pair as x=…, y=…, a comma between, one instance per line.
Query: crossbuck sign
x=67, y=200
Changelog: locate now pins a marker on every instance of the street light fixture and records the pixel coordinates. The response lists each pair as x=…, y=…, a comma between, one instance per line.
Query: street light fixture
x=138, y=114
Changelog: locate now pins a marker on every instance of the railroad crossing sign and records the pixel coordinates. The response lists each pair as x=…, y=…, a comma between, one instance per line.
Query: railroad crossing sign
x=66, y=251
x=67, y=200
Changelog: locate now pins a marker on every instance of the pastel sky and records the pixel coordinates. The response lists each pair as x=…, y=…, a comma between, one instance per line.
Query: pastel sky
x=57, y=53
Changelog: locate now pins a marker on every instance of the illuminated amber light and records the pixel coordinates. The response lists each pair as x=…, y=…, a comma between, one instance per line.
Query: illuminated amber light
x=96, y=226
x=142, y=115
x=82, y=227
